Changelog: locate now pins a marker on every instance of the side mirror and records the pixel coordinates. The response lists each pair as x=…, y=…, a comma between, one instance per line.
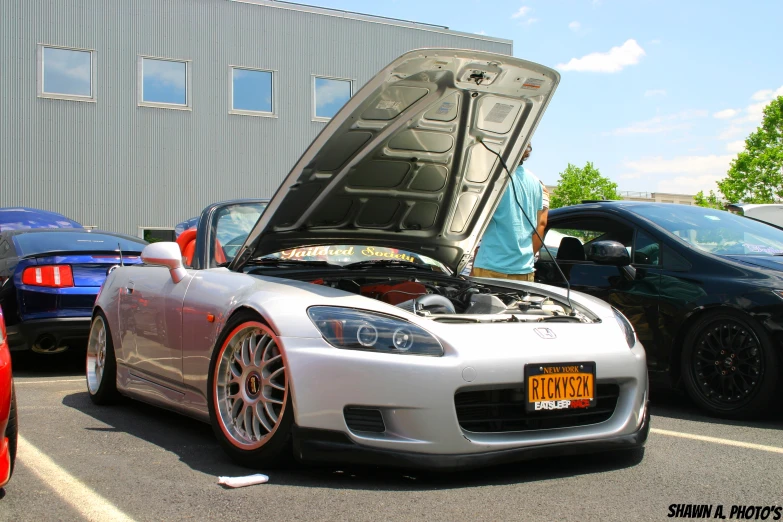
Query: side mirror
x=608, y=253
x=165, y=253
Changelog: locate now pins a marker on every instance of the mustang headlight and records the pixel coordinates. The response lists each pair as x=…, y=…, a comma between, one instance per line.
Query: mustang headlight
x=363, y=330
x=630, y=335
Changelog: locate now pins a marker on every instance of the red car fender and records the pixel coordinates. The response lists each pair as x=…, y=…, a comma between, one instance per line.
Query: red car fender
x=5, y=403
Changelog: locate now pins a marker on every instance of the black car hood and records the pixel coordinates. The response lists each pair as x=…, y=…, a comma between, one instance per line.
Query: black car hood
x=770, y=262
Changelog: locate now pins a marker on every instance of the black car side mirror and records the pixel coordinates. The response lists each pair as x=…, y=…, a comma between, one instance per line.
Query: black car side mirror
x=608, y=253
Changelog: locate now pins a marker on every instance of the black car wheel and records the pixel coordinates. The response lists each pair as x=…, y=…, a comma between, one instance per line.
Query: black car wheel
x=729, y=366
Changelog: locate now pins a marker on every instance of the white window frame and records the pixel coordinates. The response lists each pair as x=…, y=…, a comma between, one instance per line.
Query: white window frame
x=313, y=100
x=188, y=106
x=245, y=112
x=92, y=98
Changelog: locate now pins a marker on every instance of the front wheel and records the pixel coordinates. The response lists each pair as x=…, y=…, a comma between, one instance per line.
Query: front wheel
x=101, y=363
x=250, y=402
x=729, y=366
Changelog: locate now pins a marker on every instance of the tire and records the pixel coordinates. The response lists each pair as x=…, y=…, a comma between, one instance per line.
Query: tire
x=729, y=366
x=251, y=391
x=12, y=429
x=101, y=363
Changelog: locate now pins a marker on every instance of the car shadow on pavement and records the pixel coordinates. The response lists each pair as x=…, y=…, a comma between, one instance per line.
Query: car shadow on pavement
x=195, y=445
x=65, y=364
x=677, y=405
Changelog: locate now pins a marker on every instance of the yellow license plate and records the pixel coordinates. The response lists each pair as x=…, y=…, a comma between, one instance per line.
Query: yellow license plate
x=560, y=386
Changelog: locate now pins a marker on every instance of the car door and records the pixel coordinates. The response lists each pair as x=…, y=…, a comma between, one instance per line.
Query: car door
x=637, y=298
x=151, y=322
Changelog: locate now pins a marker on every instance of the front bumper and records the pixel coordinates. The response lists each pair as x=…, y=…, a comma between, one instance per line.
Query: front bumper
x=313, y=445
x=60, y=331
x=416, y=395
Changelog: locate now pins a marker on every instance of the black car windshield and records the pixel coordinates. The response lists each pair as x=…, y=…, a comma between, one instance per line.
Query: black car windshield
x=715, y=231
x=343, y=255
x=34, y=243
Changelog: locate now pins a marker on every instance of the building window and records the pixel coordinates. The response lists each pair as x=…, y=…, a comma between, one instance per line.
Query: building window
x=252, y=92
x=66, y=73
x=164, y=83
x=155, y=234
x=329, y=95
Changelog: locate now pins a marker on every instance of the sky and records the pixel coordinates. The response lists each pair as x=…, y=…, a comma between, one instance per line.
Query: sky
x=658, y=94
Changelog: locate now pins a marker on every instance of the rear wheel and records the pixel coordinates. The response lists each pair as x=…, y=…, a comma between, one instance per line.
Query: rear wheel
x=250, y=403
x=729, y=366
x=101, y=363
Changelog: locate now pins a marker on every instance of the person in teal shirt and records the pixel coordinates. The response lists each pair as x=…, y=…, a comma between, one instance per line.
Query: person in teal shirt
x=508, y=248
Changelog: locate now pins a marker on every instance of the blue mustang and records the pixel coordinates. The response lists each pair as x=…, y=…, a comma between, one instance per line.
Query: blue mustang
x=49, y=280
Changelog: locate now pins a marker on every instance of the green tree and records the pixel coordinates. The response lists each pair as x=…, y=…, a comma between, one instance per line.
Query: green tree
x=756, y=174
x=577, y=184
x=709, y=201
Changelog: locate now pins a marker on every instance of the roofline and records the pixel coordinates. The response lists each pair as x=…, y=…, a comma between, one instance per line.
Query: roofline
x=325, y=11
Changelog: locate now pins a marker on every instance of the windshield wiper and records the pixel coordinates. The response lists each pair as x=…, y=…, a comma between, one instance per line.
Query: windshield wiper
x=271, y=261
x=387, y=262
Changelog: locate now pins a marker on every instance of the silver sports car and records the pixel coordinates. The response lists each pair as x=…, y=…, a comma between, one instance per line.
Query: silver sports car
x=341, y=328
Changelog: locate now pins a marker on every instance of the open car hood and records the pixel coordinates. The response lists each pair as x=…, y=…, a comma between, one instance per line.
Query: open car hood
x=402, y=166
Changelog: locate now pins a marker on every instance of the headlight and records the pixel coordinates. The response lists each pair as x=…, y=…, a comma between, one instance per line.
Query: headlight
x=353, y=329
x=630, y=335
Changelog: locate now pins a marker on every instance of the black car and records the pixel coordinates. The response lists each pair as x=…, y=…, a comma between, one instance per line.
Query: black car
x=703, y=289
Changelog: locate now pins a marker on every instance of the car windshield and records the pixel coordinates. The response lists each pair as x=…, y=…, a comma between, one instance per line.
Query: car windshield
x=343, y=255
x=715, y=231
x=234, y=223
x=35, y=243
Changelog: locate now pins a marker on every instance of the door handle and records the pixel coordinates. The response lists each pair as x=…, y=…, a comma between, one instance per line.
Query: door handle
x=129, y=288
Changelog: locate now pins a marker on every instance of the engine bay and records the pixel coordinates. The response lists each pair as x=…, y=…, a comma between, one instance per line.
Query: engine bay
x=458, y=300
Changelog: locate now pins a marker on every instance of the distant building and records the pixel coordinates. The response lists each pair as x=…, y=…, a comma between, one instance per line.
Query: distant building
x=133, y=115
x=651, y=197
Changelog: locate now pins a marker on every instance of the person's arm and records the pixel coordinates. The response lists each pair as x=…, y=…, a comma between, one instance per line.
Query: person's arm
x=543, y=215
x=541, y=228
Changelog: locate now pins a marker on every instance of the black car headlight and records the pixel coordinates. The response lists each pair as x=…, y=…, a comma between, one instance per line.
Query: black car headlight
x=353, y=329
x=630, y=334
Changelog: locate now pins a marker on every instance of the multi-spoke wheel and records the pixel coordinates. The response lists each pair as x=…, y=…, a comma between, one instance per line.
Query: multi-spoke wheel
x=101, y=364
x=729, y=366
x=249, y=392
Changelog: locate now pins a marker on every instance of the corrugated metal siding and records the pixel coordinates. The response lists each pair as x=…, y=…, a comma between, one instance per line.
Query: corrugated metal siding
x=120, y=166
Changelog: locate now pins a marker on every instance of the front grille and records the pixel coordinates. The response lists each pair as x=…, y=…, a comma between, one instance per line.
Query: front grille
x=364, y=419
x=493, y=411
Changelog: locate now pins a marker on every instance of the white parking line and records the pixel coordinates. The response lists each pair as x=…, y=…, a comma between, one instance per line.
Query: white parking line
x=88, y=503
x=716, y=440
x=16, y=381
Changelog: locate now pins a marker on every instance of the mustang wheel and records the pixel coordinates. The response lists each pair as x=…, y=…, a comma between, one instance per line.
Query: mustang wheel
x=249, y=399
x=729, y=366
x=101, y=363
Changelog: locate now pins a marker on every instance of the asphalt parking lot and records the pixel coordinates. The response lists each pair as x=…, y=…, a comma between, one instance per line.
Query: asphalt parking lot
x=78, y=461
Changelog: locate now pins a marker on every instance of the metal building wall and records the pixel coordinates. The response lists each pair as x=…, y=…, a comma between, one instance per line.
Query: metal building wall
x=120, y=166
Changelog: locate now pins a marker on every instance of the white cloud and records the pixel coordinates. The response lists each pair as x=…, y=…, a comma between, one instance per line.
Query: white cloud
x=614, y=60
x=743, y=122
x=655, y=42
x=482, y=33
x=725, y=114
x=574, y=26
x=736, y=146
x=682, y=174
x=531, y=21
x=655, y=92
x=167, y=73
x=658, y=124
x=523, y=11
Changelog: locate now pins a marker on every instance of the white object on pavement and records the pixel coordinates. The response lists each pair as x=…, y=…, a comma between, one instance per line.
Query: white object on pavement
x=240, y=482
